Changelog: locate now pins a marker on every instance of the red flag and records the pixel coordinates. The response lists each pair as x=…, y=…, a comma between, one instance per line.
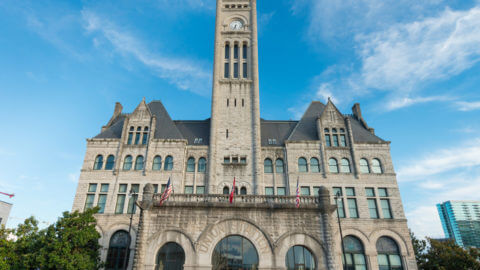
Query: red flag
x=297, y=200
x=9, y=195
x=233, y=191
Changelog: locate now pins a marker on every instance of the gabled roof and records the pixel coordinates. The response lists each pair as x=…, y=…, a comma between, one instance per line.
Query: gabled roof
x=278, y=130
x=114, y=131
x=192, y=130
x=361, y=134
x=165, y=128
x=306, y=128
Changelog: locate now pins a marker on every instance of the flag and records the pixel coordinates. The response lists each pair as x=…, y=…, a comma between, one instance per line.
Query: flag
x=233, y=191
x=166, y=192
x=9, y=195
x=297, y=200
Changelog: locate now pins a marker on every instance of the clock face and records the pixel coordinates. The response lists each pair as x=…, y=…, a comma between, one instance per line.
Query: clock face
x=236, y=25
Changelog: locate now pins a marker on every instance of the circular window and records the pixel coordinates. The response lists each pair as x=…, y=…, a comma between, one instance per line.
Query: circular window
x=299, y=257
x=234, y=253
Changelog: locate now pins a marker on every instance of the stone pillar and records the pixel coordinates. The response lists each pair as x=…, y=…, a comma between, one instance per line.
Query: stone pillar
x=145, y=205
x=326, y=210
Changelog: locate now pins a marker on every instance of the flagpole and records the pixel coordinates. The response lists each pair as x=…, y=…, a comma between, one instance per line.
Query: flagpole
x=340, y=227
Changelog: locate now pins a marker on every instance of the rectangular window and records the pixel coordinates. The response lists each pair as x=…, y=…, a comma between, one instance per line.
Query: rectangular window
x=200, y=189
x=352, y=208
x=227, y=70
x=340, y=208
x=226, y=160
x=327, y=140
x=135, y=188
x=89, y=201
x=122, y=188
x=245, y=52
x=370, y=192
x=137, y=138
x=227, y=51
x=188, y=189
x=120, y=204
x=268, y=190
x=92, y=188
x=386, y=211
x=305, y=191
x=155, y=188
x=372, y=208
x=145, y=138
x=315, y=191
x=164, y=186
x=104, y=188
x=235, y=51
x=350, y=191
x=281, y=191
x=235, y=70
x=243, y=160
x=382, y=192
x=245, y=71
x=335, y=140
x=131, y=204
x=130, y=137
x=343, y=141
x=102, y=200
x=235, y=160
x=337, y=191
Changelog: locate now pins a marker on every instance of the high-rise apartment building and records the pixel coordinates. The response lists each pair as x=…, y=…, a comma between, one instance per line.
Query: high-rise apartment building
x=461, y=222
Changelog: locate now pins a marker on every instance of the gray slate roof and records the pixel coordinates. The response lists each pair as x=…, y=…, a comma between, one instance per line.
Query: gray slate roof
x=361, y=134
x=278, y=130
x=114, y=131
x=306, y=128
x=165, y=128
x=195, y=129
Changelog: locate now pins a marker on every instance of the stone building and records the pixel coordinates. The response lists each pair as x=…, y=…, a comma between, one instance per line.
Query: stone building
x=326, y=152
x=5, y=208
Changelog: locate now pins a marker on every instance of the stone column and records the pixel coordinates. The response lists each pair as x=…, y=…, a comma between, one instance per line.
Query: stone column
x=145, y=205
x=326, y=210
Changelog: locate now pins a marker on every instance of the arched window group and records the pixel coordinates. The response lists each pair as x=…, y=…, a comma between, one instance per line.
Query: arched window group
x=234, y=252
x=170, y=257
x=202, y=164
x=140, y=136
x=300, y=257
x=376, y=166
x=354, y=254
x=268, y=166
x=118, y=251
x=303, y=165
x=343, y=167
x=335, y=137
x=110, y=164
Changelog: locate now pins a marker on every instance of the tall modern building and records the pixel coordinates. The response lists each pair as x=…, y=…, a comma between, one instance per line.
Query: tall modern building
x=461, y=222
x=324, y=153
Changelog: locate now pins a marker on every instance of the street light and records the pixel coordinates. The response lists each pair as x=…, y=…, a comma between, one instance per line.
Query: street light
x=337, y=196
x=133, y=194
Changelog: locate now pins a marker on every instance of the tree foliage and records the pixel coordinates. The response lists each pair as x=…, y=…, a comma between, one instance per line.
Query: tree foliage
x=432, y=254
x=70, y=243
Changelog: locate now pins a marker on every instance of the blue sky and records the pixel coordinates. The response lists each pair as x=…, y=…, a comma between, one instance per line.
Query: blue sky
x=413, y=66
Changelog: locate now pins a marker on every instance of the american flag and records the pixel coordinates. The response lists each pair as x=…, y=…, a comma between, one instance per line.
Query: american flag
x=166, y=192
x=297, y=200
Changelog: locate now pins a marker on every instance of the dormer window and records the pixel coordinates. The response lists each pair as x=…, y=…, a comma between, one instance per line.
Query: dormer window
x=198, y=141
x=272, y=141
x=335, y=138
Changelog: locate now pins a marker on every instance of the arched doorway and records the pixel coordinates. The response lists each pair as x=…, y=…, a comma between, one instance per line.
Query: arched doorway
x=235, y=252
x=118, y=251
x=170, y=257
x=301, y=258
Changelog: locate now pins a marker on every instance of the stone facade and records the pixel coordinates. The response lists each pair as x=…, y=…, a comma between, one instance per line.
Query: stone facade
x=144, y=149
x=4, y=212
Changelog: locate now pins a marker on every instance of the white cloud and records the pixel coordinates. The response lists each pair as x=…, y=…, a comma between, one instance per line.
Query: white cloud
x=186, y=74
x=468, y=106
x=73, y=177
x=400, y=102
x=187, y=4
x=424, y=221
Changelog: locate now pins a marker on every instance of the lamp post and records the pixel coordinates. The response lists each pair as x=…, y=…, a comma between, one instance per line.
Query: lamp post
x=133, y=194
x=337, y=196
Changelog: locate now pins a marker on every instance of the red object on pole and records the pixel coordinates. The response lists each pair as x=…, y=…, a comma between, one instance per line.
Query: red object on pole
x=9, y=195
x=233, y=191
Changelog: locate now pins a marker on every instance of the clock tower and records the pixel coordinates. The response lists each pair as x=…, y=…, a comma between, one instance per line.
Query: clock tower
x=235, y=124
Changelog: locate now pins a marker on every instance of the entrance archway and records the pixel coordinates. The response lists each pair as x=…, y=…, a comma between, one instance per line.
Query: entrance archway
x=235, y=252
x=171, y=256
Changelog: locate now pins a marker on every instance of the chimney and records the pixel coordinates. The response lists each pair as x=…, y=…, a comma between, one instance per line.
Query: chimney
x=357, y=111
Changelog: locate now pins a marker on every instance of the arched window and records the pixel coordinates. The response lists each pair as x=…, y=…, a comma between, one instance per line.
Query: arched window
x=314, y=165
x=139, y=163
x=267, y=166
x=345, y=166
x=171, y=256
x=117, y=250
x=98, y=163
x=299, y=257
x=226, y=190
x=202, y=165
x=234, y=252
x=127, y=163
x=243, y=191
x=364, y=166
x=388, y=254
x=376, y=166
x=191, y=164
x=333, y=165
x=157, y=163
x=354, y=253
x=168, y=163
x=302, y=165
x=279, y=167
x=110, y=162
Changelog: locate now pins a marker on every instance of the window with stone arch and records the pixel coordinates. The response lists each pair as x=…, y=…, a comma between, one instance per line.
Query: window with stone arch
x=234, y=252
x=157, y=163
x=376, y=166
x=388, y=254
x=139, y=163
x=345, y=166
x=302, y=165
x=267, y=166
x=168, y=163
x=117, y=251
x=98, y=165
x=279, y=166
x=243, y=191
x=191, y=164
x=333, y=165
x=110, y=162
x=364, y=168
x=314, y=165
x=202, y=164
x=170, y=257
x=300, y=257
x=226, y=190
x=127, y=163
x=354, y=254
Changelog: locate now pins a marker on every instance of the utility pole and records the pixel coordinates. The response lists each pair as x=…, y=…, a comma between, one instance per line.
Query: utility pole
x=337, y=196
